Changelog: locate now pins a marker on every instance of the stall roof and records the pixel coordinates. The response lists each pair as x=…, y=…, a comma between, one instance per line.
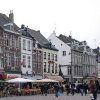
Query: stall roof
x=55, y=77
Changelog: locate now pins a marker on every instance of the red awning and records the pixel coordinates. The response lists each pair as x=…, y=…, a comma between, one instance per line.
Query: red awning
x=2, y=76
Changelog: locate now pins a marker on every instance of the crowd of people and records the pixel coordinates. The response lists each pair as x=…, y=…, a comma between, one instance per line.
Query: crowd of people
x=92, y=87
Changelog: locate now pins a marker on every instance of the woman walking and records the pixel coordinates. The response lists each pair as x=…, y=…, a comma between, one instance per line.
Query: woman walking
x=93, y=89
x=57, y=90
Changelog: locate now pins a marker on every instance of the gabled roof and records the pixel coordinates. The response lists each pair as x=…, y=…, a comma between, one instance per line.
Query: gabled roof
x=25, y=33
x=66, y=39
x=97, y=51
x=41, y=39
x=38, y=36
x=76, y=45
x=5, y=20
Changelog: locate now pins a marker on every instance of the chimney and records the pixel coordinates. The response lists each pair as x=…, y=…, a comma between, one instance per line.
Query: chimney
x=11, y=16
x=70, y=36
x=23, y=26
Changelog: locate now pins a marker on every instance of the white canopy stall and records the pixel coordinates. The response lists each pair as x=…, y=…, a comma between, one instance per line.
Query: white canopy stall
x=20, y=80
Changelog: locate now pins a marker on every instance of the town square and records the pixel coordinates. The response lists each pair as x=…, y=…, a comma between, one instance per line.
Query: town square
x=49, y=97
x=50, y=50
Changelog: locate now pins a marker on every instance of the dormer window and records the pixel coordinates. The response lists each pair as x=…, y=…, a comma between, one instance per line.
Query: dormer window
x=9, y=26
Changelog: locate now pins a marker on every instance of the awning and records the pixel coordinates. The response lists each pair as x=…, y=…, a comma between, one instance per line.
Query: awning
x=33, y=77
x=12, y=76
x=55, y=77
x=46, y=80
x=19, y=80
x=2, y=76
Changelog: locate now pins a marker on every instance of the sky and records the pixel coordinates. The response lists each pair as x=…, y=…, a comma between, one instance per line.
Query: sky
x=78, y=18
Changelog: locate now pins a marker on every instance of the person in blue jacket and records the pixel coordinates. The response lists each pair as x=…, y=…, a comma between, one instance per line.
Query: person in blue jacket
x=57, y=89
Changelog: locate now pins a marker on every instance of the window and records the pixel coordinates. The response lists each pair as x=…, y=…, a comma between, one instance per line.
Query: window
x=11, y=40
x=29, y=60
x=1, y=62
x=55, y=68
x=35, y=65
x=15, y=42
x=64, y=53
x=8, y=59
x=28, y=46
x=44, y=55
x=48, y=67
x=52, y=56
x=24, y=44
x=15, y=59
x=44, y=66
x=55, y=57
x=48, y=56
x=69, y=70
x=7, y=42
x=34, y=55
x=52, y=68
x=24, y=61
x=1, y=49
x=39, y=55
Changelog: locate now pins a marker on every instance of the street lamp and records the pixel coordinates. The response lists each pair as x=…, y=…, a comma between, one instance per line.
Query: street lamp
x=71, y=69
x=71, y=74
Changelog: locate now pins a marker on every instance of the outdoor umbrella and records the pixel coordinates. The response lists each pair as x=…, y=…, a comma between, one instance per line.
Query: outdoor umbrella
x=19, y=80
x=46, y=80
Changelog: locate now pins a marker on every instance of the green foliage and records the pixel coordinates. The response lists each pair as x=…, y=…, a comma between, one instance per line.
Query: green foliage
x=60, y=72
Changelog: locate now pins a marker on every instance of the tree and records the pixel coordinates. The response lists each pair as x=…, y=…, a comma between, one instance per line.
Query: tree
x=60, y=72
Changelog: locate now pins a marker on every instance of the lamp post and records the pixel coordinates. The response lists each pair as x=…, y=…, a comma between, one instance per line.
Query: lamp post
x=71, y=74
x=71, y=69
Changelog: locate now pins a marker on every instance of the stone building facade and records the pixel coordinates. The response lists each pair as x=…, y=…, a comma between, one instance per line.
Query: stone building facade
x=82, y=58
x=10, y=46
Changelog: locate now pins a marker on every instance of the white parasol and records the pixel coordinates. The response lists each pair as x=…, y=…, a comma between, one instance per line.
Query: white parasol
x=46, y=80
x=19, y=80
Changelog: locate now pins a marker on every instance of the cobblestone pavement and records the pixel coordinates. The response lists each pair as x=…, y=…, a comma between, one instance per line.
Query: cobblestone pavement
x=49, y=97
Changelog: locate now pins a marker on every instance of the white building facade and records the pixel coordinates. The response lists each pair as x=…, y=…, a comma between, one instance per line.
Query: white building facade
x=64, y=54
x=50, y=62
x=26, y=55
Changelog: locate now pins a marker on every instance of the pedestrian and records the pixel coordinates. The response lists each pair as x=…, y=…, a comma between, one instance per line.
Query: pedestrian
x=81, y=89
x=62, y=88
x=85, y=87
x=72, y=88
x=97, y=85
x=93, y=89
x=67, y=88
x=45, y=89
x=57, y=90
x=42, y=88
